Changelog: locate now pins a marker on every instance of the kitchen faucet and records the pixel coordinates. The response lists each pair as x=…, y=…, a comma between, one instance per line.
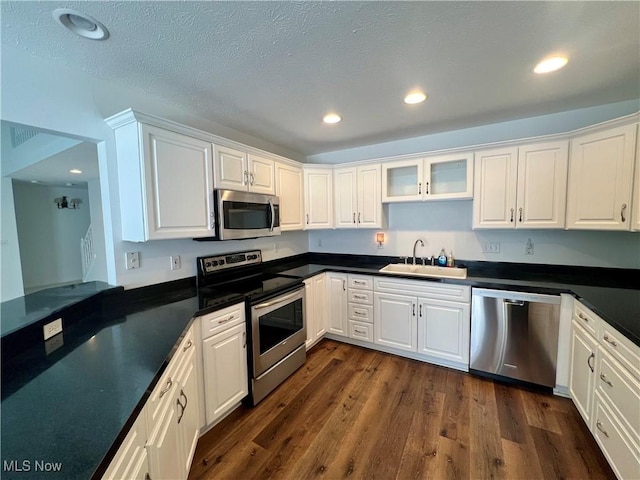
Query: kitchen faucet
x=415, y=245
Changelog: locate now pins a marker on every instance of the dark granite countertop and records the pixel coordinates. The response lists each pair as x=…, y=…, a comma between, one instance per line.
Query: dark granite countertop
x=74, y=402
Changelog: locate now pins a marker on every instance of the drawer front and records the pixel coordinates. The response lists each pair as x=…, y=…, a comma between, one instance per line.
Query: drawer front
x=360, y=296
x=621, y=348
x=586, y=318
x=361, y=282
x=621, y=391
x=622, y=454
x=218, y=321
x=361, y=331
x=423, y=288
x=361, y=313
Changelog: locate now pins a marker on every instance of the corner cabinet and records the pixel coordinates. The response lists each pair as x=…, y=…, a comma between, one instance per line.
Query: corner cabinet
x=522, y=187
x=242, y=171
x=357, y=199
x=159, y=172
x=289, y=188
x=600, y=180
x=318, y=198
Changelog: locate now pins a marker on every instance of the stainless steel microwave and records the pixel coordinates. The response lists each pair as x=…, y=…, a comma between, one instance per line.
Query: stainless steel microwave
x=245, y=215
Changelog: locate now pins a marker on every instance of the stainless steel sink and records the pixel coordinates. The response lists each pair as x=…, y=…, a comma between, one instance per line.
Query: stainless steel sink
x=424, y=270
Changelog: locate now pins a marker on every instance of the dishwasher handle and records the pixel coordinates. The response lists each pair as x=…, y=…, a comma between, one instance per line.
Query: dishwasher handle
x=515, y=303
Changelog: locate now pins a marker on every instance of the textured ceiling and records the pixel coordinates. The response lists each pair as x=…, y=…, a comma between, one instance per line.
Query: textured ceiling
x=273, y=69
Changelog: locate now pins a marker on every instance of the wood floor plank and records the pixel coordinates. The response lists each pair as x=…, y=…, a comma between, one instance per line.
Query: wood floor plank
x=356, y=413
x=488, y=458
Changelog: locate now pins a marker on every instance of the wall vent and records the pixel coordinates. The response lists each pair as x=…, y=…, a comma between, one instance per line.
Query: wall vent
x=21, y=135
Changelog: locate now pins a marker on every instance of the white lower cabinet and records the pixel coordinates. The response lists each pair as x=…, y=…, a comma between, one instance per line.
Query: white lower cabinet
x=605, y=387
x=225, y=361
x=395, y=324
x=337, y=304
x=315, y=299
x=131, y=460
x=443, y=330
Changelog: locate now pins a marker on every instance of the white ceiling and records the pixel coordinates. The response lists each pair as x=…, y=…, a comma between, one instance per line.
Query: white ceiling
x=273, y=69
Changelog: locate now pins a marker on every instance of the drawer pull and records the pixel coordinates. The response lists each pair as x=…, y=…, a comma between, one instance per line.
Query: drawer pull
x=604, y=432
x=226, y=320
x=610, y=342
x=359, y=282
x=187, y=346
x=359, y=331
x=166, y=388
x=589, y=361
x=582, y=317
x=603, y=377
x=360, y=297
x=362, y=314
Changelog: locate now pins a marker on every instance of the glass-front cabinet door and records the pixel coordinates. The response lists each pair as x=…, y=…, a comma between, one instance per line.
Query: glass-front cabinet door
x=402, y=181
x=448, y=177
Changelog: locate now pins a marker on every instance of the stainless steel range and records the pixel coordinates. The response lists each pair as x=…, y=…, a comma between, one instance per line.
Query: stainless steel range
x=275, y=314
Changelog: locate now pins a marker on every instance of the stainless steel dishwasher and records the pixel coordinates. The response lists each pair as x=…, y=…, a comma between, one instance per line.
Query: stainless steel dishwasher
x=515, y=335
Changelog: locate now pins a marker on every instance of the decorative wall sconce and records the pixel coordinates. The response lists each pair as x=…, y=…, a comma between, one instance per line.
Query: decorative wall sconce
x=380, y=239
x=62, y=202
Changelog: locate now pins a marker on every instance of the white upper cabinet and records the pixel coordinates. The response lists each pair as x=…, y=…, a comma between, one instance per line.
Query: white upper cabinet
x=600, y=180
x=494, y=201
x=159, y=172
x=635, y=209
x=237, y=170
x=357, y=197
x=402, y=181
x=289, y=188
x=441, y=177
x=448, y=177
x=318, y=198
x=521, y=187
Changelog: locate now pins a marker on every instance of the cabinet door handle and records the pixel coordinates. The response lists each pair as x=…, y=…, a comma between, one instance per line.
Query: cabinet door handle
x=358, y=217
x=147, y=476
x=511, y=220
x=604, y=378
x=419, y=188
x=420, y=311
x=226, y=319
x=246, y=178
x=354, y=217
x=213, y=220
x=582, y=317
x=187, y=346
x=244, y=339
x=307, y=219
x=610, y=342
x=252, y=178
x=520, y=212
x=589, y=361
x=414, y=309
x=622, y=210
x=344, y=288
x=426, y=188
x=604, y=432
x=166, y=388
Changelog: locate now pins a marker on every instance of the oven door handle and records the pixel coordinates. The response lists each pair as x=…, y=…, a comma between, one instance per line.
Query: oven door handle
x=273, y=215
x=276, y=301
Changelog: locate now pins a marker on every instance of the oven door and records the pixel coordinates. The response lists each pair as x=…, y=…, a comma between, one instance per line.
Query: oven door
x=278, y=328
x=246, y=215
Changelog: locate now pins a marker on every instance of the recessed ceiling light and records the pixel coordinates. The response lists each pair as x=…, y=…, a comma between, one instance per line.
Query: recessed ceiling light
x=81, y=24
x=76, y=171
x=550, y=64
x=331, y=118
x=415, y=97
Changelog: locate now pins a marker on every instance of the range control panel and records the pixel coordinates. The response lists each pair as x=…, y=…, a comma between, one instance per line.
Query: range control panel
x=208, y=265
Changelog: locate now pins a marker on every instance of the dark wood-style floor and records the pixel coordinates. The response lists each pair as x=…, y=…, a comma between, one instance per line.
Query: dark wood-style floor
x=351, y=412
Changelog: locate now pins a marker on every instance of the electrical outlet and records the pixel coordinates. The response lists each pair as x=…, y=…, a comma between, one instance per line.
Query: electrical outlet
x=175, y=262
x=52, y=328
x=528, y=249
x=132, y=260
x=491, y=247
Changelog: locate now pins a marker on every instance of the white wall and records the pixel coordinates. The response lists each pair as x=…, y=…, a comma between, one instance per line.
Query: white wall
x=99, y=269
x=49, y=237
x=448, y=224
x=11, y=280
